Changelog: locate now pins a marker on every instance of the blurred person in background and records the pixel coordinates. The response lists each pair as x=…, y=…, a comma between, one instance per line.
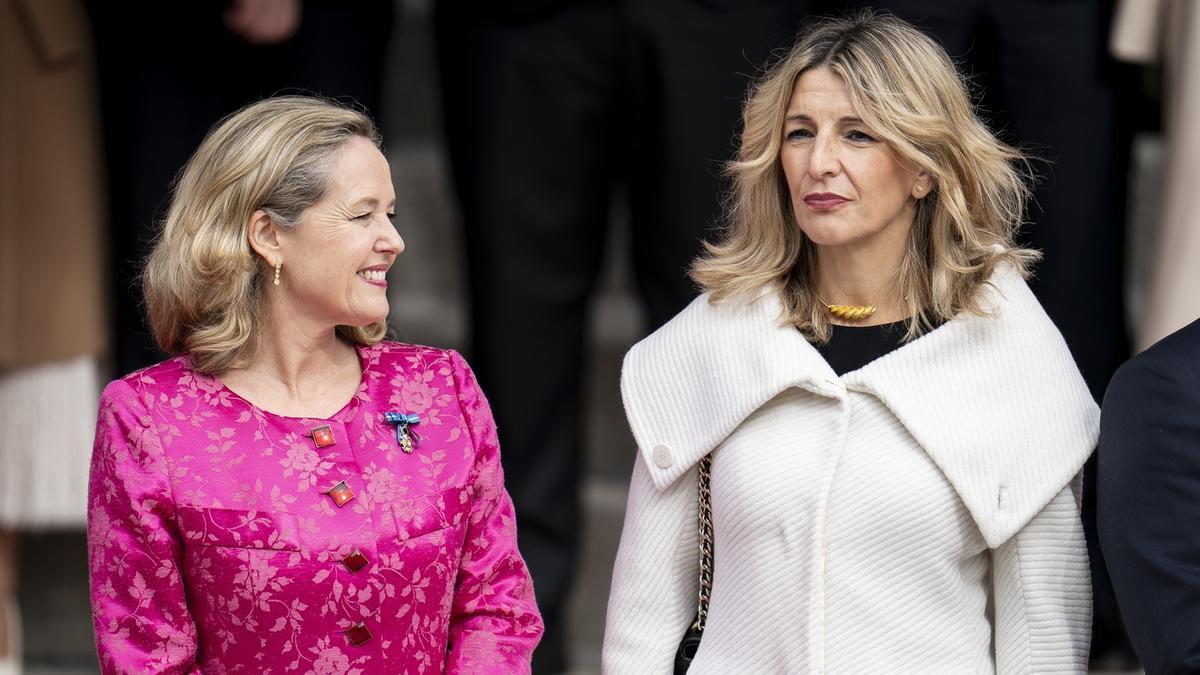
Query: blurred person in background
x=1149, y=474
x=168, y=71
x=1149, y=454
x=881, y=423
x=550, y=106
x=52, y=329
x=1146, y=32
x=290, y=492
x=1045, y=83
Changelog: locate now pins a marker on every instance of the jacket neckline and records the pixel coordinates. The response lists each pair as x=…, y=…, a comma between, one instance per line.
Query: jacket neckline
x=996, y=402
x=347, y=411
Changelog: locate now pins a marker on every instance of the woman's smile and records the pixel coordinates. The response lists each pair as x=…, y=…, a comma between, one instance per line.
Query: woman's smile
x=374, y=275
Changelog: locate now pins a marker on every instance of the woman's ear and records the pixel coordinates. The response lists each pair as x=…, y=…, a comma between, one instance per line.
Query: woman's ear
x=923, y=185
x=264, y=237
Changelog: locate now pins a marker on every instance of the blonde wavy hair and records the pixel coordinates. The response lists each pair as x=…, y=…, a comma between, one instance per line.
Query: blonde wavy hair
x=907, y=91
x=203, y=283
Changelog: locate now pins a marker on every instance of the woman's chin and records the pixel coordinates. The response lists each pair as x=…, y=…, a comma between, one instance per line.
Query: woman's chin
x=366, y=318
x=825, y=234
x=835, y=237
x=829, y=239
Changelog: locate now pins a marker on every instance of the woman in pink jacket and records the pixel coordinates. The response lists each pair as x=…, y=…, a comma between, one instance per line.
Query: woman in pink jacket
x=290, y=494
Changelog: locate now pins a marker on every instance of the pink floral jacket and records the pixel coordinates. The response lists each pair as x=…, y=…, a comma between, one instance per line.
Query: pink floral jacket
x=225, y=539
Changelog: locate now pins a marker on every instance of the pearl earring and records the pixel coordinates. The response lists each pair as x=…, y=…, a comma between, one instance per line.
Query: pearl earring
x=278, y=266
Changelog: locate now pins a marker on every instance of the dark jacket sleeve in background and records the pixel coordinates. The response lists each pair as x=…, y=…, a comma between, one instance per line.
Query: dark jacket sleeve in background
x=1149, y=500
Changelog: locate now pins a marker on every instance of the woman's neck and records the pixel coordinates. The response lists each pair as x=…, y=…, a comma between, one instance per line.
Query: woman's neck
x=300, y=364
x=298, y=369
x=863, y=276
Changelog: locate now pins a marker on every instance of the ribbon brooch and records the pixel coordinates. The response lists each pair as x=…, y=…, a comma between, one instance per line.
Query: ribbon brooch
x=406, y=436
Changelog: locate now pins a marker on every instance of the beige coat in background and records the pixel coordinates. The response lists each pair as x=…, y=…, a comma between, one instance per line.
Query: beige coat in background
x=51, y=218
x=1143, y=32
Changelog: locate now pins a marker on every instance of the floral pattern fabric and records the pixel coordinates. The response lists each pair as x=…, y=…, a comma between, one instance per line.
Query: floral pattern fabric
x=215, y=547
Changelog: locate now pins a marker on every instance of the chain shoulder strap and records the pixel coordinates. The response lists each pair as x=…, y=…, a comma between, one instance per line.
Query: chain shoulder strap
x=705, y=524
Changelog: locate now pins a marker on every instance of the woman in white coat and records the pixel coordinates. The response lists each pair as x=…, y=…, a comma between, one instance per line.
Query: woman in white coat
x=895, y=427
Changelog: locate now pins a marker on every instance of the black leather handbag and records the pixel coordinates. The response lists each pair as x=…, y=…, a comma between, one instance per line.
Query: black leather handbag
x=691, y=639
x=687, y=649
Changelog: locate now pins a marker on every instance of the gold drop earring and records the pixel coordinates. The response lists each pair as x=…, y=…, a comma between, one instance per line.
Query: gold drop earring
x=278, y=266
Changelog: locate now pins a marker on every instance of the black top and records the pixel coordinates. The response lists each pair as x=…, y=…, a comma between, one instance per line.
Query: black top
x=852, y=347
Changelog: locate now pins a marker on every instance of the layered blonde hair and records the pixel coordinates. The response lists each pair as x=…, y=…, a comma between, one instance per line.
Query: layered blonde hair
x=203, y=283
x=907, y=91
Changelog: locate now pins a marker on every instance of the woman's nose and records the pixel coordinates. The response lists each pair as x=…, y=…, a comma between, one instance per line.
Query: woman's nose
x=823, y=158
x=390, y=240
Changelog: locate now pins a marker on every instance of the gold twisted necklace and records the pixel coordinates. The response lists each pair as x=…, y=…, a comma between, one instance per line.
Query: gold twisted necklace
x=848, y=312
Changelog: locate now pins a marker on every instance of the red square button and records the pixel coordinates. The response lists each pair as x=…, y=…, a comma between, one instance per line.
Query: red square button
x=355, y=561
x=322, y=435
x=341, y=493
x=358, y=633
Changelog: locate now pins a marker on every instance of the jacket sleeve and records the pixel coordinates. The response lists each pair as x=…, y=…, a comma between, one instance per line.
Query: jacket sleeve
x=494, y=623
x=1148, y=485
x=1042, y=591
x=139, y=611
x=655, y=578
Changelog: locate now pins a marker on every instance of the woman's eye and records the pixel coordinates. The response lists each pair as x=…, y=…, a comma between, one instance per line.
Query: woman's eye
x=798, y=134
x=365, y=216
x=860, y=137
x=391, y=217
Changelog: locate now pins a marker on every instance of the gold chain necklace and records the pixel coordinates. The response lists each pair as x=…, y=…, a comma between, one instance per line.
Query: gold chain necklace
x=848, y=312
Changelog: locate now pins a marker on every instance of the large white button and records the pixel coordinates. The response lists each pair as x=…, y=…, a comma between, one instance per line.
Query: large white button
x=663, y=456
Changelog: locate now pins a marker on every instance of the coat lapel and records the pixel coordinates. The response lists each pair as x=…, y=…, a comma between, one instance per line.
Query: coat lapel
x=996, y=402
x=691, y=383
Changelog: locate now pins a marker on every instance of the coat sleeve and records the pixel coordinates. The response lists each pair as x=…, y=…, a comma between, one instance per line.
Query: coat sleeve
x=1148, y=485
x=139, y=611
x=1042, y=592
x=655, y=578
x=494, y=623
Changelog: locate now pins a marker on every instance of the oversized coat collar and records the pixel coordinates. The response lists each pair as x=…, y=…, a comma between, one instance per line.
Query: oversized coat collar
x=997, y=402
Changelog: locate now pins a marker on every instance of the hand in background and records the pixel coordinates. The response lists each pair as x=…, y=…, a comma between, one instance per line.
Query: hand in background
x=263, y=22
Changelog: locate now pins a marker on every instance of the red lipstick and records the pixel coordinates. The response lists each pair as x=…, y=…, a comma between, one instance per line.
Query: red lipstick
x=824, y=201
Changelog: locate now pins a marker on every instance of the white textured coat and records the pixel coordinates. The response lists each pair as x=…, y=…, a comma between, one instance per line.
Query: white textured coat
x=837, y=550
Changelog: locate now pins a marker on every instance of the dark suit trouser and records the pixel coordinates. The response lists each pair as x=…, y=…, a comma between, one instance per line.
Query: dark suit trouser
x=545, y=114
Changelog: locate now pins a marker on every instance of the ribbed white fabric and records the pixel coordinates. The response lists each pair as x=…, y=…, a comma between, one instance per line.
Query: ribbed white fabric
x=915, y=515
x=900, y=543
x=47, y=421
